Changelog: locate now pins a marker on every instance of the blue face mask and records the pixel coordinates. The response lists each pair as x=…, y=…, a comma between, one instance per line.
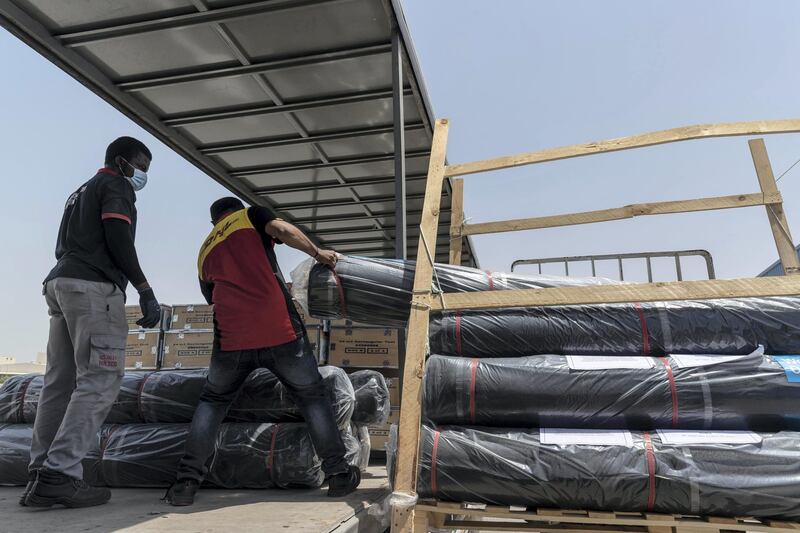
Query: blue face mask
x=139, y=178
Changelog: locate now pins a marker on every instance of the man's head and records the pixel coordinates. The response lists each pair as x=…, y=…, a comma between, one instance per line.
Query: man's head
x=224, y=206
x=127, y=153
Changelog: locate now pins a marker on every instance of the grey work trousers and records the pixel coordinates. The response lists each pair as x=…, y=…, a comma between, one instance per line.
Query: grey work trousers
x=85, y=364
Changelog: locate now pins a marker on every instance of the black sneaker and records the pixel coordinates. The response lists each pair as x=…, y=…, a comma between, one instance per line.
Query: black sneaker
x=181, y=493
x=343, y=484
x=31, y=480
x=54, y=488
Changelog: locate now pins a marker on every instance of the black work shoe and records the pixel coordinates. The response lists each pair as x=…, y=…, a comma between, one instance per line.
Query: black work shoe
x=343, y=484
x=54, y=488
x=182, y=492
x=31, y=480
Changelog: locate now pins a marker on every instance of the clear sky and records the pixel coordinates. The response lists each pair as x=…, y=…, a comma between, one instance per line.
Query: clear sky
x=512, y=76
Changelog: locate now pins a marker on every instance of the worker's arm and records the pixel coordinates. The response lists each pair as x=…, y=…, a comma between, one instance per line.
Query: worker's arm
x=119, y=242
x=280, y=230
x=207, y=288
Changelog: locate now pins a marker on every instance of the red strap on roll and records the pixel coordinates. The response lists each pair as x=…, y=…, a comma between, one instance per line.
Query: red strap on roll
x=645, y=333
x=139, y=396
x=458, y=333
x=434, y=454
x=673, y=390
x=272, y=451
x=341, y=293
x=491, y=280
x=651, y=471
x=23, y=390
x=473, y=374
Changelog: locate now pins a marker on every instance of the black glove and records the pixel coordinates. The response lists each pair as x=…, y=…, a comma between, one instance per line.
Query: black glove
x=150, y=309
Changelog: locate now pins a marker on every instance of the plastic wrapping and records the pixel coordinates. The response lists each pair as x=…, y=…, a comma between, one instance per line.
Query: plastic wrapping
x=378, y=291
x=372, y=397
x=249, y=456
x=361, y=433
x=730, y=326
x=171, y=396
x=503, y=467
x=750, y=392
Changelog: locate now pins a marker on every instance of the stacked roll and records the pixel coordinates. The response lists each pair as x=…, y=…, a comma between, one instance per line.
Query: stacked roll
x=262, y=444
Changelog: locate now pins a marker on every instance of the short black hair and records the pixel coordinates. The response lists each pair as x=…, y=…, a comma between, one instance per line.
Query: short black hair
x=127, y=148
x=223, y=205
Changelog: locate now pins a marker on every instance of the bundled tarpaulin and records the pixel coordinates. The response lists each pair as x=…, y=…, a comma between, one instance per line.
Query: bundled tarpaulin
x=361, y=433
x=251, y=456
x=19, y=397
x=688, y=392
x=727, y=326
x=378, y=291
x=680, y=472
x=171, y=396
x=372, y=398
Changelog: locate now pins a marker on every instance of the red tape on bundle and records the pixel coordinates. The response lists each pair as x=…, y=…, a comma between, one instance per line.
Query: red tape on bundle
x=491, y=280
x=23, y=390
x=341, y=293
x=458, y=333
x=473, y=376
x=673, y=390
x=651, y=472
x=272, y=451
x=434, y=455
x=139, y=396
x=645, y=333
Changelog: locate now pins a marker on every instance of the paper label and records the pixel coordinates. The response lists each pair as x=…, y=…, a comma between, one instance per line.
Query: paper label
x=790, y=365
x=141, y=335
x=603, y=362
x=696, y=360
x=598, y=437
x=677, y=437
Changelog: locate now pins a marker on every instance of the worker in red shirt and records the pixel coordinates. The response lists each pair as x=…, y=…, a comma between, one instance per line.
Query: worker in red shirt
x=257, y=326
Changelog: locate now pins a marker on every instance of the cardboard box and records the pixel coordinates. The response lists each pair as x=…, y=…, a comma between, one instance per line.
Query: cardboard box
x=192, y=316
x=134, y=313
x=379, y=434
x=187, y=349
x=143, y=348
x=307, y=320
x=364, y=347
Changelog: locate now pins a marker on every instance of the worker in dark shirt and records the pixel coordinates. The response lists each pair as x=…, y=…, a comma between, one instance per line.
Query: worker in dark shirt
x=257, y=326
x=85, y=295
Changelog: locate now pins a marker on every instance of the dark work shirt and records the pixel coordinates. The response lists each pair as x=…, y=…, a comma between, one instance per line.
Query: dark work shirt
x=81, y=248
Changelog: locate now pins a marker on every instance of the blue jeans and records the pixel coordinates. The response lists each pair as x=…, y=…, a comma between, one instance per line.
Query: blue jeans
x=295, y=366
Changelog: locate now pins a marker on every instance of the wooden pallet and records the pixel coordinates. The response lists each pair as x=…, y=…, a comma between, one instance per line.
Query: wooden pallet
x=463, y=516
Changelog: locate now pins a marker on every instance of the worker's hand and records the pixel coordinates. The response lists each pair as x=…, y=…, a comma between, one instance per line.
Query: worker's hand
x=326, y=257
x=150, y=309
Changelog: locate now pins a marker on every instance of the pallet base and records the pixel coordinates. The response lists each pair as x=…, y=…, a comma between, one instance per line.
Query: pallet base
x=466, y=516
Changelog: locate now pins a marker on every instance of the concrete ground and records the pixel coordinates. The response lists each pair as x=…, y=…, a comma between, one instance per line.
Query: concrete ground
x=224, y=511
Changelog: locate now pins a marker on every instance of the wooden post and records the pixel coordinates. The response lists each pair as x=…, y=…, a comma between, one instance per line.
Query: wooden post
x=456, y=221
x=416, y=346
x=777, y=218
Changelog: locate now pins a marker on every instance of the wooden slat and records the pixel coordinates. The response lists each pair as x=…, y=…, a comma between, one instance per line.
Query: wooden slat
x=411, y=402
x=620, y=213
x=702, y=131
x=635, y=292
x=456, y=219
x=777, y=217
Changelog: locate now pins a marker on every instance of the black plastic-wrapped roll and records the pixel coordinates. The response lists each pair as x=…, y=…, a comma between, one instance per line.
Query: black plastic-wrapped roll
x=751, y=392
x=514, y=467
x=264, y=398
x=372, y=398
x=15, y=453
x=171, y=396
x=19, y=398
x=378, y=291
x=730, y=326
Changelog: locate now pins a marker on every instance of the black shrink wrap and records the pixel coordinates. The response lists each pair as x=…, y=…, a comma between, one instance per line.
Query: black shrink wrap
x=543, y=391
x=513, y=467
x=729, y=326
